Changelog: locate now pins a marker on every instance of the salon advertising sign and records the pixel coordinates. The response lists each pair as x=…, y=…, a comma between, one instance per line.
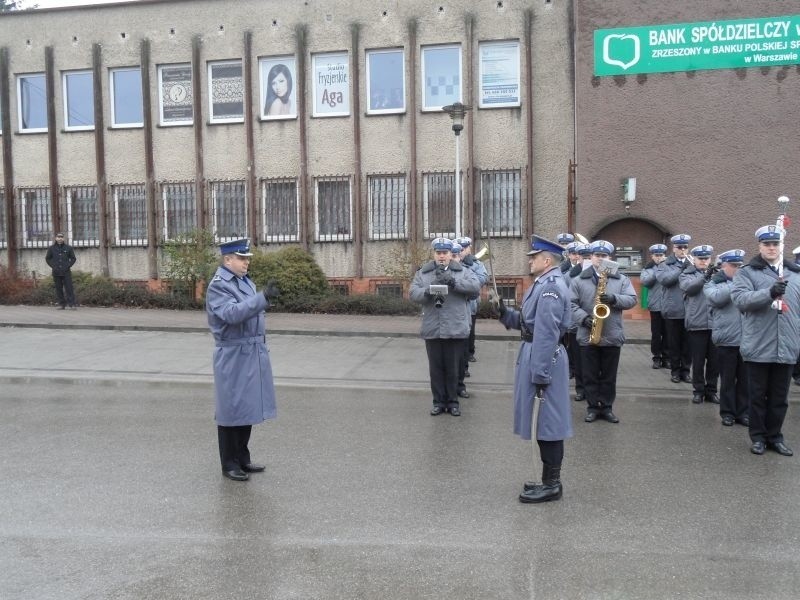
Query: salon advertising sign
x=694, y=46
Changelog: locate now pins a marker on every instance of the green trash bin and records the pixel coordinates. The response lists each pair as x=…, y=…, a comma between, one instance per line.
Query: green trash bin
x=644, y=293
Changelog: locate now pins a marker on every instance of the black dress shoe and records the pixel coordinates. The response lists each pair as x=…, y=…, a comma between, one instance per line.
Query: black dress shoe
x=656, y=363
x=437, y=410
x=236, y=475
x=455, y=411
x=675, y=379
x=610, y=417
x=780, y=448
x=757, y=448
x=697, y=399
x=727, y=420
x=712, y=398
x=472, y=358
x=744, y=421
x=590, y=417
x=686, y=379
x=579, y=398
x=466, y=373
x=253, y=468
x=463, y=394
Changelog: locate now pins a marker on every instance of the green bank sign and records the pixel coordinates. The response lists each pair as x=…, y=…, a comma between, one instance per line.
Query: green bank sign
x=694, y=46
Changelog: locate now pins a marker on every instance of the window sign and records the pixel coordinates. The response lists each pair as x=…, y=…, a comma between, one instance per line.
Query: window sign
x=441, y=76
x=278, y=92
x=32, y=94
x=693, y=46
x=331, y=74
x=126, y=98
x=78, y=101
x=226, y=91
x=499, y=74
x=386, y=81
x=175, y=95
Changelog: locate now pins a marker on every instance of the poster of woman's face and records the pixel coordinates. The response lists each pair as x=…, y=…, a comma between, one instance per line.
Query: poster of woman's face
x=277, y=88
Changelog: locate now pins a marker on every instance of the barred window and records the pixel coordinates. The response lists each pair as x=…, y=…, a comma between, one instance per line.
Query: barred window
x=439, y=208
x=229, y=202
x=501, y=209
x=508, y=293
x=333, y=209
x=2, y=218
x=180, y=210
x=130, y=214
x=388, y=207
x=389, y=290
x=83, y=215
x=36, y=222
x=281, y=210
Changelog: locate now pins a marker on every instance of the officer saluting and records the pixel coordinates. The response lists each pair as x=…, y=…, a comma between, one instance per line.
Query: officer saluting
x=243, y=383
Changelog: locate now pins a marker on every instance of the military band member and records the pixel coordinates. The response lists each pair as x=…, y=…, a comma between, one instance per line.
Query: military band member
x=726, y=334
x=445, y=321
x=468, y=260
x=243, y=385
x=564, y=239
x=599, y=362
x=570, y=341
x=767, y=292
x=796, y=371
x=541, y=379
x=698, y=326
x=673, y=309
x=463, y=365
x=584, y=252
x=658, y=327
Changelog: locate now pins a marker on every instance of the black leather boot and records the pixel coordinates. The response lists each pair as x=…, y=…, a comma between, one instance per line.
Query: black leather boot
x=550, y=488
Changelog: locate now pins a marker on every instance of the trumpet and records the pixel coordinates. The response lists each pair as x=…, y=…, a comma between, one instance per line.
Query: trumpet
x=483, y=252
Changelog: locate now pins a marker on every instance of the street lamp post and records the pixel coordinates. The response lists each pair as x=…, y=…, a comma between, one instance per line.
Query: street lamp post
x=457, y=112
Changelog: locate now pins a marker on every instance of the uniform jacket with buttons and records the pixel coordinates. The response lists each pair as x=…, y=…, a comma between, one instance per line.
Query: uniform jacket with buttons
x=767, y=335
x=584, y=290
x=60, y=258
x=655, y=290
x=668, y=274
x=453, y=319
x=698, y=310
x=726, y=320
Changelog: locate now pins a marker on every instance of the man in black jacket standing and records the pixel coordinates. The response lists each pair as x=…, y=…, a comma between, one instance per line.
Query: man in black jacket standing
x=60, y=258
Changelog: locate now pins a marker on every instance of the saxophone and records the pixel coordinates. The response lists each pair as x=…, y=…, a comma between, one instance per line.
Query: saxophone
x=600, y=311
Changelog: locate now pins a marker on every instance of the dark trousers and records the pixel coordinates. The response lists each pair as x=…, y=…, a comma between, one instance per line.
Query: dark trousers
x=796, y=371
x=233, y=451
x=65, y=295
x=444, y=356
x=733, y=399
x=678, y=343
x=704, y=362
x=552, y=453
x=599, y=369
x=463, y=366
x=768, y=389
x=658, y=336
x=471, y=342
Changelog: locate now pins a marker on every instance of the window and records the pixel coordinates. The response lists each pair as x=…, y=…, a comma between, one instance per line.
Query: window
x=508, y=292
x=281, y=210
x=332, y=209
x=441, y=76
x=226, y=91
x=499, y=74
x=126, y=97
x=331, y=84
x=130, y=214
x=229, y=202
x=501, y=209
x=36, y=222
x=389, y=290
x=78, y=100
x=278, y=94
x=439, y=208
x=180, y=211
x=83, y=215
x=175, y=94
x=386, y=82
x=2, y=218
x=387, y=207
x=32, y=97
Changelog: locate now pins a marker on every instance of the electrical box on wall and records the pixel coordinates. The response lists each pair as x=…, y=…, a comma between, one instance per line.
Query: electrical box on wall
x=629, y=189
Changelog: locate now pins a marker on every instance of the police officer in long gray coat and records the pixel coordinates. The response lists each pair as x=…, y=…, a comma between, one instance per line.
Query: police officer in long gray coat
x=658, y=326
x=767, y=292
x=446, y=320
x=541, y=379
x=243, y=384
x=673, y=309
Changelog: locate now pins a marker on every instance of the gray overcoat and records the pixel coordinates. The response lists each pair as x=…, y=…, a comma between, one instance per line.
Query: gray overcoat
x=243, y=384
x=454, y=318
x=698, y=311
x=584, y=290
x=545, y=311
x=667, y=274
x=726, y=320
x=655, y=291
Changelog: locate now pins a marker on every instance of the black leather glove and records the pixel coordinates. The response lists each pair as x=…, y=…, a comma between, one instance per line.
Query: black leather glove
x=501, y=308
x=609, y=299
x=272, y=291
x=778, y=289
x=650, y=265
x=468, y=260
x=541, y=388
x=685, y=265
x=447, y=278
x=576, y=270
x=588, y=321
x=719, y=278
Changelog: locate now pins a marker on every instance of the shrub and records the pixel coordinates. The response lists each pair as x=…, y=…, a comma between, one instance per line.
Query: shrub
x=364, y=304
x=13, y=290
x=188, y=259
x=299, y=278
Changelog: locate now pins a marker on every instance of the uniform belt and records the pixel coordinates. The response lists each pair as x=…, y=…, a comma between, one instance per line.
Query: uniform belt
x=525, y=335
x=248, y=341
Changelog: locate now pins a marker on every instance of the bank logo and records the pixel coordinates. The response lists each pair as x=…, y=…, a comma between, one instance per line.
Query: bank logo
x=622, y=50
